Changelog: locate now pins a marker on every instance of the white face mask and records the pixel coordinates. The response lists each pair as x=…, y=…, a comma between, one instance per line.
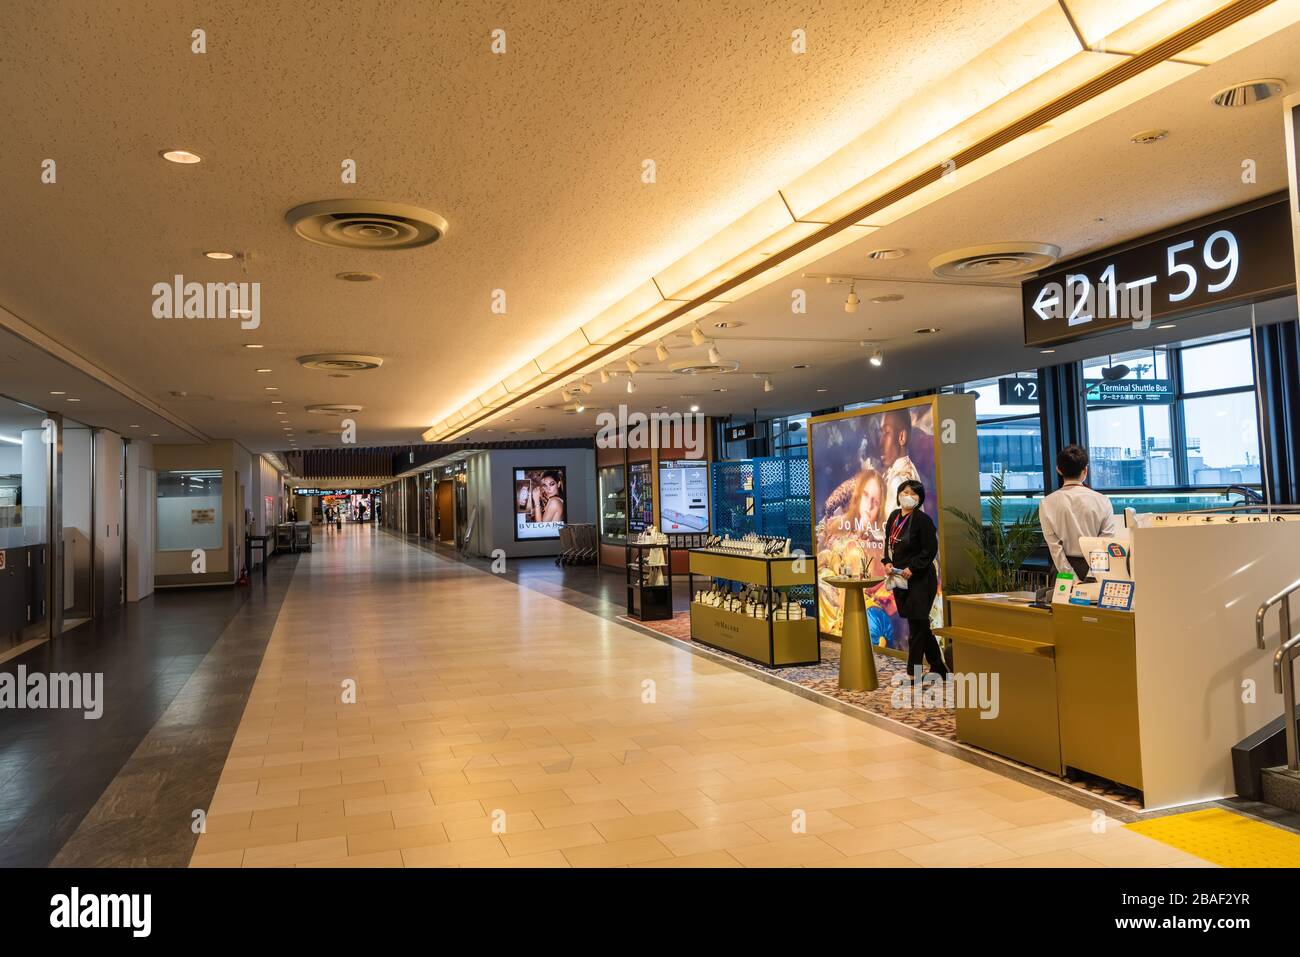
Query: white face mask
x=908, y=501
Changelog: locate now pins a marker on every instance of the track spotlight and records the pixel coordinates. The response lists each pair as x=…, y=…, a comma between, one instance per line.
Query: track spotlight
x=632, y=365
x=661, y=351
x=604, y=376
x=767, y=385
x=714, y=355
x=564, y=396
x=584, y=387
x=877, y=359
x=631, y=386
x=851, y=303
x=580, y=408
x=698, y=338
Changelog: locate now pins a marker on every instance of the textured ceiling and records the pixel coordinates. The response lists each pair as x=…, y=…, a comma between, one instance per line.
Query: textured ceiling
x=533, y=157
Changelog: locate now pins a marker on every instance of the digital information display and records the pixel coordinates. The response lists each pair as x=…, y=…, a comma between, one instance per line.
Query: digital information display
x=684, y=496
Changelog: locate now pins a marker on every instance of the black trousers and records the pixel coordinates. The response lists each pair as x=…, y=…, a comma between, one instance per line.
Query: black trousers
x=921, y=642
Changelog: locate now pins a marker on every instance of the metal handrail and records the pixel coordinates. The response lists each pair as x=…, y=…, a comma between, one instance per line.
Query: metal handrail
x=1283, y=596
x=1283, y=669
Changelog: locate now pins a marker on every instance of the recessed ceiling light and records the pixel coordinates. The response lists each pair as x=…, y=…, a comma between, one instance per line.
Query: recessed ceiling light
x=821, y=390
x=281, y=412
x=800, y=365
x=74, y=400
x=1168, y=325
x=58, y=393
x=261, y=370
x=926, y=331
x=184, y=157
x=1249, y=93
x=728, y=324
x=277, y=401
x=357, y=276
x=153, y=435
x=271, y=388
x=219, y=254
x=135, y=426
x=1047, y=352
x=252, y=345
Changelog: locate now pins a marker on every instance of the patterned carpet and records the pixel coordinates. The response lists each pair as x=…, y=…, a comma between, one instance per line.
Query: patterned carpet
x=823, y=678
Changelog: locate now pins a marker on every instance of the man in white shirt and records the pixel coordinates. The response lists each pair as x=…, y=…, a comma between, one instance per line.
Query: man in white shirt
x=1074, y=511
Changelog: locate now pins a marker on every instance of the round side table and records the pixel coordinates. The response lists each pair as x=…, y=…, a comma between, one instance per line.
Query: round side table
x=857, y=664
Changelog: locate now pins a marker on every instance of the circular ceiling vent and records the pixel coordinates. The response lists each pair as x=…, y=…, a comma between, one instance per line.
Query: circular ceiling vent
x=333, y=409
x=340, y=362
x=995, y=261
x=689, y=367
x=366, y=224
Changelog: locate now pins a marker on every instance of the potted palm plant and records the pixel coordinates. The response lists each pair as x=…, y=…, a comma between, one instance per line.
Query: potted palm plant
x=996, y=550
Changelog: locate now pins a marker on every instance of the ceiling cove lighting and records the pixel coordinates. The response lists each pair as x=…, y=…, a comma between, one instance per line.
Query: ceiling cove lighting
x=1049, y=77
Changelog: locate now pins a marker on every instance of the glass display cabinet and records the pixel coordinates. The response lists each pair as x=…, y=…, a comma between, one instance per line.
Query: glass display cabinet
x=613, y=505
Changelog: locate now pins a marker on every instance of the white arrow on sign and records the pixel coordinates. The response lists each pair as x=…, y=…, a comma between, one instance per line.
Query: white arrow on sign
x=1048, y=301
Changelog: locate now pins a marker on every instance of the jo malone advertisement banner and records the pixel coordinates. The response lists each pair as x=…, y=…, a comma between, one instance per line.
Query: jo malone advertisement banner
x=858, y=462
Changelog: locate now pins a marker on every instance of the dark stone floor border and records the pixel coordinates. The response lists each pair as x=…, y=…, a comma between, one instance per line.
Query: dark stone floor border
x=145, y=817
x=599, y=604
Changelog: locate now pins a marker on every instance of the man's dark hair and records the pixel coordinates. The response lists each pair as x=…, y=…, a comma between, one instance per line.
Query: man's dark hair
x=916, y=487
x=1071, y=461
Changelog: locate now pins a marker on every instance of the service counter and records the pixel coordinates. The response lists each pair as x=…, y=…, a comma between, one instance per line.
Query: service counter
x=1153, y=698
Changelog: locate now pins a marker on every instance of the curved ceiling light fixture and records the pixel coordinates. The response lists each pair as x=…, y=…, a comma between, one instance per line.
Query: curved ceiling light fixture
x=1042, y=82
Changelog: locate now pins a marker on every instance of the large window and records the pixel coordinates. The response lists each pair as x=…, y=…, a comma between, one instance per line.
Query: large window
x=1010, y=436
x=1204, y=435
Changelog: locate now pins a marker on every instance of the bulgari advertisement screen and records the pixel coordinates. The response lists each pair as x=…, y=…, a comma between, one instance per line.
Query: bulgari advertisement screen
x=684, y=496
x=539, y=503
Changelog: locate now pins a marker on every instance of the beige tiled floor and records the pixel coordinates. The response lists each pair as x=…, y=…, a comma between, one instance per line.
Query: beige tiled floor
x=494, y=726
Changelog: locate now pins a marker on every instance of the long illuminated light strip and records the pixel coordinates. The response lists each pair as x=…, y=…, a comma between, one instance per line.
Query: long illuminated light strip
x=1131, y=67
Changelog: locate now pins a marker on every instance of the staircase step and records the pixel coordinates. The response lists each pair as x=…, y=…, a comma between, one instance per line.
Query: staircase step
x=1282, y=788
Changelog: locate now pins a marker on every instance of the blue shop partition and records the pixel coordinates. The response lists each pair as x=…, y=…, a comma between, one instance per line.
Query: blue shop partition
x=766, y=496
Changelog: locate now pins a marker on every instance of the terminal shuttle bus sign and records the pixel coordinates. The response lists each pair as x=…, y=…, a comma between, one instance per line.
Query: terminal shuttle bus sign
x=1213, y=262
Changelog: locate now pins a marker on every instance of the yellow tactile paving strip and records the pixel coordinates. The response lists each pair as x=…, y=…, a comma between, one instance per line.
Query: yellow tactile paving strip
x=1224, y=838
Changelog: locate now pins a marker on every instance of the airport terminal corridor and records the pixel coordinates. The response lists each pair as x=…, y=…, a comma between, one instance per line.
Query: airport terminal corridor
x=494, y=725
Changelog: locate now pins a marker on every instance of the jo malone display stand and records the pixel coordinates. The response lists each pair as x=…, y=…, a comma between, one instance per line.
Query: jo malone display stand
x=757, y=621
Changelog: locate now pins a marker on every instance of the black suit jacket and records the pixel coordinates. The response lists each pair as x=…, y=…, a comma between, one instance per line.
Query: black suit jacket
x=916, y=548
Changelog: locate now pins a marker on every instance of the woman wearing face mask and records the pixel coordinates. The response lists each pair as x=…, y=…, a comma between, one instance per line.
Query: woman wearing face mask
x=911, y=545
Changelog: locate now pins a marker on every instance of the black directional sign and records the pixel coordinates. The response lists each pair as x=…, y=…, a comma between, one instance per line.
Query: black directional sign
x=1014, y=391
